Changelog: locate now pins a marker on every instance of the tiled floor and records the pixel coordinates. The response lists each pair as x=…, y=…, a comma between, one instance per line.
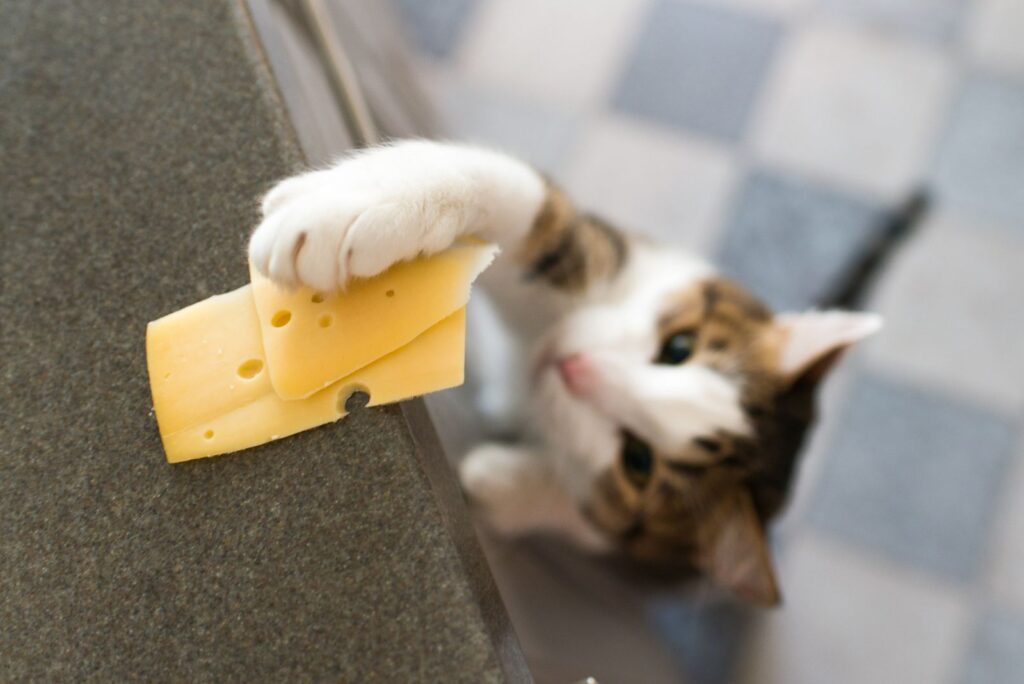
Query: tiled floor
x=993, y=34
x=979, y=163
x=780, y=226
x=697, y=67
x=914, y=476
x=996, y=654
x=772, y=135
x=854, y=106
x=678, y=185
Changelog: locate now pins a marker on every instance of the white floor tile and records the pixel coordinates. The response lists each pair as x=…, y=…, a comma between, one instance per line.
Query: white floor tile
x=651, y=180
x=995, y=33
x=848, y=619
x=561, y=52
x=954, y=320
x=854, y=107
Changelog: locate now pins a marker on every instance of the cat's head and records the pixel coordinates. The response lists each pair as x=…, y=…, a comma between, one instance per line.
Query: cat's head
x=684, y=413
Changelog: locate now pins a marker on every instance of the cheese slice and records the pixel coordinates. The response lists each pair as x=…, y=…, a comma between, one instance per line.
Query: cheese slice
x=314, y=339
x=211, y=387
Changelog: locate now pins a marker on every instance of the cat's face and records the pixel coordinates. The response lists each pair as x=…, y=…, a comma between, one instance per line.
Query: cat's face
x=683, y=413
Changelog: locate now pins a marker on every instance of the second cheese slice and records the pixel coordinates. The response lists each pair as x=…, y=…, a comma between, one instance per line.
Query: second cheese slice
x=312, y=339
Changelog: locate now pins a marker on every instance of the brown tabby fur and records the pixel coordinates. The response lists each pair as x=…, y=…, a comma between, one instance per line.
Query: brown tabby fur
x=569, y=250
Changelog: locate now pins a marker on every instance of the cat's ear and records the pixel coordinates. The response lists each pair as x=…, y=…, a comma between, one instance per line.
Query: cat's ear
x=736, y=556
x=811, y=343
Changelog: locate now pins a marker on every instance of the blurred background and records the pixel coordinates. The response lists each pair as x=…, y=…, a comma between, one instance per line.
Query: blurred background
x=773, y=136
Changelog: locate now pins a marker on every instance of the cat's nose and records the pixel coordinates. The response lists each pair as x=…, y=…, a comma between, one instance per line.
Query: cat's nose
x=577, y=373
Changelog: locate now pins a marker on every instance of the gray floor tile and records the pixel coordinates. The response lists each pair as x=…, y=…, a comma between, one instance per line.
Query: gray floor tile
x=541, y=135
x=980, y=164
x=1006, y=565
x=914, y=476
x=997, y=653
x=698, y=67
x=856, y=107
x=935, y=20
x=706, y=636
x=789, y=241
x=435, y=26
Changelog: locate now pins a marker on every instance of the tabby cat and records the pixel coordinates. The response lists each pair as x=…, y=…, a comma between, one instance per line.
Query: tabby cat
x=665, y=405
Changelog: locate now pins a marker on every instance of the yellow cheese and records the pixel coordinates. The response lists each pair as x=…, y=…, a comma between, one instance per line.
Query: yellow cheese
x=211, y=386
x=314, y=339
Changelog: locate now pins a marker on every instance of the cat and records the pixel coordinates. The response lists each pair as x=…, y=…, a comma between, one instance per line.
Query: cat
x=666, y=405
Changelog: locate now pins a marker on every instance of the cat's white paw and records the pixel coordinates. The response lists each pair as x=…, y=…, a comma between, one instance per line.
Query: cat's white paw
x=505, y=484
x=356, y=219
x=516, y=492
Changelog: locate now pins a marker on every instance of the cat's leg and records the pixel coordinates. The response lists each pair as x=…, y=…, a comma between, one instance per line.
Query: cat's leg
x=389, y=204
x=392, y=203
x=517, y=492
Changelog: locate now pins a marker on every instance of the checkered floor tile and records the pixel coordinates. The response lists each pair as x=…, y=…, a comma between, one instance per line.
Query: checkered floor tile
x=787, y=239
x=697, y=67
x=996, y=655
x=979, y=166
x=914, y=476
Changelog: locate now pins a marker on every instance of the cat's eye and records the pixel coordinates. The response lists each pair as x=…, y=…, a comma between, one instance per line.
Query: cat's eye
x=637, y=460
x=677, y=348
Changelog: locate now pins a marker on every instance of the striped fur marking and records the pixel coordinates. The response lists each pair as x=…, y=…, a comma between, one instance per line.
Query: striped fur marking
x=571, y=251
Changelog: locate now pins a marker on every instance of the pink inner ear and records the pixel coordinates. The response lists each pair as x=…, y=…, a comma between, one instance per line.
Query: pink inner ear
x=811, y=336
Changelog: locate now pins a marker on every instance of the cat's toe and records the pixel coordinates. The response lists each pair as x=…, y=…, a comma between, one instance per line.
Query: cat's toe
x=261, y=245
x=317, y=259
x=299, y=244
x=284, y=256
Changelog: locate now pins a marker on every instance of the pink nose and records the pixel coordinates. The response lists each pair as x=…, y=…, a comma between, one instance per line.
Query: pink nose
x=576, y=372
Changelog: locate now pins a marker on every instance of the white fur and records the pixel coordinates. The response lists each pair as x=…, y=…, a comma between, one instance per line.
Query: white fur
x=522, y=493
x=390, y=204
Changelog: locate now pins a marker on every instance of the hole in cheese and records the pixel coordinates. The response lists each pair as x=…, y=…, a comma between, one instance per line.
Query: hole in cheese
x=353, y=398
x=250, y=369
x=316, y=298
x=363, y=329
x=200, y=397
x=325, y=321
x=389, y=293
x=281, y=318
